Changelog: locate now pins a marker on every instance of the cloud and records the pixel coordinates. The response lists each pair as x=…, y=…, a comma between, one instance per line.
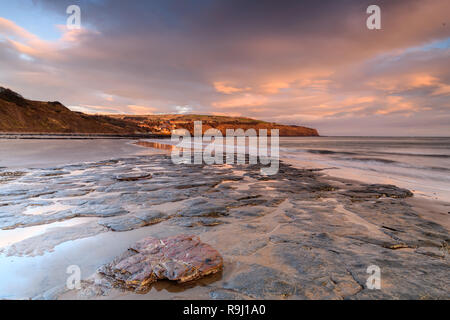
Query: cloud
x=222, y=87
x=275, y=86
x=183, y=109
x=10, y=29
x=246, y=100
x=141, y=109
x=299, y=62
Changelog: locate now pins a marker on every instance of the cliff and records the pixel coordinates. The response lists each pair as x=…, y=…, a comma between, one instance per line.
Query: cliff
x=18, y=114
x=166, y=123
x=21, y=115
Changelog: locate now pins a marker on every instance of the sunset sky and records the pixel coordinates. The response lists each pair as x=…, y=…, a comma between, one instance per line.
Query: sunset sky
x=311, y=63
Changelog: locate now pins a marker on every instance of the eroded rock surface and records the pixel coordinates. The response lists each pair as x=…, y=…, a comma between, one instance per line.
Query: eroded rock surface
x=378, y=191
x=181, y=258
x=295, y=235
x=133, y=221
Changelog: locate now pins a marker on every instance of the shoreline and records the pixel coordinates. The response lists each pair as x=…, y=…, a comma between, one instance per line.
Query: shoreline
x=76, y=136
x=35, y=153
x=270, y=235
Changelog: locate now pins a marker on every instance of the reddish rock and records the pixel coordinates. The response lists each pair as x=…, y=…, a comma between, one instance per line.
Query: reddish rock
x=180, y=258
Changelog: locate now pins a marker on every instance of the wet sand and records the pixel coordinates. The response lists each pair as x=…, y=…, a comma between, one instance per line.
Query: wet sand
x=300, y=235
x=19, y=153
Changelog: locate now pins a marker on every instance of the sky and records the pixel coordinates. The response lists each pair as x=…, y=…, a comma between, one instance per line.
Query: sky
x=311, y=63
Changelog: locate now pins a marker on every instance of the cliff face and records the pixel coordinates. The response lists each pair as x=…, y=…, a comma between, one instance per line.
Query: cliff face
x=166, y=123
x=21, y=115
x=18, y=114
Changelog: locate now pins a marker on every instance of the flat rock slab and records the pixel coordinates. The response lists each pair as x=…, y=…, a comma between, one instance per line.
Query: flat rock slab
x=378, y=191
x=180, y=258
x=134, y=221
x=133, y=177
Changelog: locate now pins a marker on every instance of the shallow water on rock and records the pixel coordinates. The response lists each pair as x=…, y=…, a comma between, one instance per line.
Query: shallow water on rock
x=297, y=235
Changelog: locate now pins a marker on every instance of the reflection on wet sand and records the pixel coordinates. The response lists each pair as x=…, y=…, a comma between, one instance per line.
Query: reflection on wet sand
x=156, y=145
x=244, y=148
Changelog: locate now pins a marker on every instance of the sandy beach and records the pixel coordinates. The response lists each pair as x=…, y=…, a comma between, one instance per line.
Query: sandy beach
x=301, y=234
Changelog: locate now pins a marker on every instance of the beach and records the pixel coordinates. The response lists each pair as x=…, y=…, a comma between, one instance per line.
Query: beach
x=308, y=232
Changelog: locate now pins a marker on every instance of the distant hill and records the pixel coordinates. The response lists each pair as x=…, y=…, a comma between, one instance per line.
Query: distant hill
x=18, y=114
x=166, y=123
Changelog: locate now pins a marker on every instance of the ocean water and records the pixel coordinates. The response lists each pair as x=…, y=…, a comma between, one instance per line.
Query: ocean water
x=419, y=164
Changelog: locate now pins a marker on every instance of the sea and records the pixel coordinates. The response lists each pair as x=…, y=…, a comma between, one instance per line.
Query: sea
x=421, y=164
